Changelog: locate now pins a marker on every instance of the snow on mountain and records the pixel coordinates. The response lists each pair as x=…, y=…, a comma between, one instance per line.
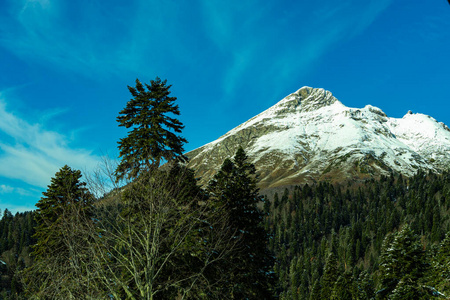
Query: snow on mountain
x=310, y=136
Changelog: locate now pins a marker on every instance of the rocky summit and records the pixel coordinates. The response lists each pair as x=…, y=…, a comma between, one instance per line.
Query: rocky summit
x=311, y=136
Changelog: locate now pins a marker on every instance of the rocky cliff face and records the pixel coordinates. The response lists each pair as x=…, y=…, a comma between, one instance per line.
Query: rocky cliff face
x=311, y=136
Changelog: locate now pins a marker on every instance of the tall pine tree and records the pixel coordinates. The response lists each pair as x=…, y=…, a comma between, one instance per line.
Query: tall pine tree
x=61, y=268
x=155, y=134
x=402, y=266
x=233, y=191
x=66, y=190
x=330, y=275
x=440, y=271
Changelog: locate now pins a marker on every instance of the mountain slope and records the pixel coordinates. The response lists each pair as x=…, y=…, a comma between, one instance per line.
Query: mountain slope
x=310, y=136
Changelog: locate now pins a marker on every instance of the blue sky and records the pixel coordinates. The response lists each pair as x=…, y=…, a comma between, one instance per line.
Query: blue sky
x=65, y=66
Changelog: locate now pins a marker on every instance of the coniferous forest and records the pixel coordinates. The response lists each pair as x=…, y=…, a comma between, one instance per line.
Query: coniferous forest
x=380, y=239
x=152, y=232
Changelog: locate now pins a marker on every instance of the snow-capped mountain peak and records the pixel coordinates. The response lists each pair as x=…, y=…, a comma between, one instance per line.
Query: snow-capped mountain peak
x=310, y=135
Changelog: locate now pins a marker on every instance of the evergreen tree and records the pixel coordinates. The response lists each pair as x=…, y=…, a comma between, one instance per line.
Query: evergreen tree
x=364, y=287
x=15, y=241
x=330, y=275
x=61, y=261
x=440, y=273
x=233, y=191
x=155, y=134
x=402, y=265
x=315, y=291
x=66, y=190
x=407, y=289
x=343, y=287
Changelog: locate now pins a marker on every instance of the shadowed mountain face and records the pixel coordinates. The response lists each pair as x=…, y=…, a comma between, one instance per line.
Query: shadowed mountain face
x=310, y=136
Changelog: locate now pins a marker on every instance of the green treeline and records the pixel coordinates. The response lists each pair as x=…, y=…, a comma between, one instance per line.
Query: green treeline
x=354, y=241
x=16, y=239
x=381, y=239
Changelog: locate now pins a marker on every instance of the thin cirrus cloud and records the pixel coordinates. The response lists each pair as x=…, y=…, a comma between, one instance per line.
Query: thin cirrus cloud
x=43, y=31
x=94, y=38
x=4, y=189
x=32, y=153
x=271, y=43
x=249, y=41
x=7, y=189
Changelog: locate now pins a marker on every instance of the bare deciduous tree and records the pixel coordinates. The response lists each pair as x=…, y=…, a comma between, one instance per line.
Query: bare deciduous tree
x=68, y=273
x=159, y=241
x=156, y=237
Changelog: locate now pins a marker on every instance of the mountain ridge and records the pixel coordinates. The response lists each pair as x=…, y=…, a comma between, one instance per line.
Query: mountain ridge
x=310, y=135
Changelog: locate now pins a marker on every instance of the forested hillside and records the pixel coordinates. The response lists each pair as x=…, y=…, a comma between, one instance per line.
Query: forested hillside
x=343, y=241
x=16, y=238
x=330, y=241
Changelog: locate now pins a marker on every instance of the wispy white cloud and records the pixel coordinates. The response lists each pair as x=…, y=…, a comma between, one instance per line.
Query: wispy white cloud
x=245, y=37
x=337, y=22
x=293, y=43
x=6, y=189
x=285, y=42
x=95, y=38
x=32, y=153
x=228, y=23
x=239, y=65
x=92, y=37
x=368, y=15
x=156, y=36
x=41, y=31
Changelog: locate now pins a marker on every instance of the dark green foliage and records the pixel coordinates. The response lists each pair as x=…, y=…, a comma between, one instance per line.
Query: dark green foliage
x=330, y=275
x=307, y=225
x=407, y=289
x=61, y=259
x=343, y=287
x=233, y=192
x=364, y=287
x=441, y=266
x=363, y=226
x=315, y=291
x=352, y=221
x=15, y=246
x=402, y=266
x=154, y=135
x=66, y=190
